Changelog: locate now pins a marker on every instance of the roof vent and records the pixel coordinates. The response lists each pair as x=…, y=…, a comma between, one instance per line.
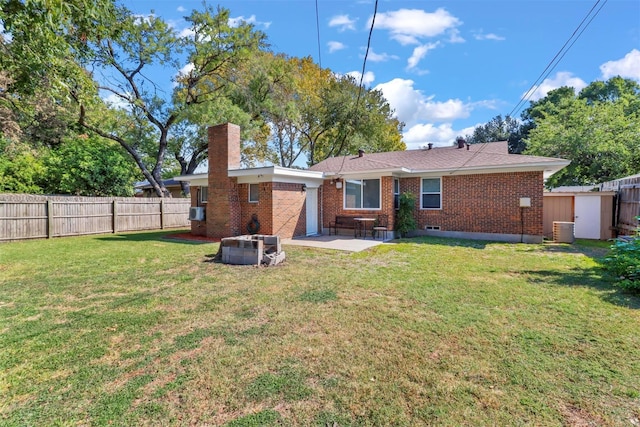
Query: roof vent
x=430, y=145
x=461, y=142
x=360, y=153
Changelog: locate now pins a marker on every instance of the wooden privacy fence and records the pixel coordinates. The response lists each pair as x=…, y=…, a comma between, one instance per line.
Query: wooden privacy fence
x=629, y=208
x=34, y=217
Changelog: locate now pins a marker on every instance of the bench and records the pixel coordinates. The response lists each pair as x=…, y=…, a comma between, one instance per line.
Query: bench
x=342, y=221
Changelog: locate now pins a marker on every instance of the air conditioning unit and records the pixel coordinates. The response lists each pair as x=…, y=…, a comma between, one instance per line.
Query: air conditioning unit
x=196, y=214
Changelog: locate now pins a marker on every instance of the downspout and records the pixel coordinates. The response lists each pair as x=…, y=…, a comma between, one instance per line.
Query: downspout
x=322, y=208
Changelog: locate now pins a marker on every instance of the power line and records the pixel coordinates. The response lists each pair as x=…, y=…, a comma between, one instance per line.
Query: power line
x=558, y=56
x=318, y=31
x=364, y=66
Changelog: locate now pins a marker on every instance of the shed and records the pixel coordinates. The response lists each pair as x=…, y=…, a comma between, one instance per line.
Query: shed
x=592, y=212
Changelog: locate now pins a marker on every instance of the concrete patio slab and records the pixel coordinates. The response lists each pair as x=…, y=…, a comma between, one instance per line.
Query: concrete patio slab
x=340, y=242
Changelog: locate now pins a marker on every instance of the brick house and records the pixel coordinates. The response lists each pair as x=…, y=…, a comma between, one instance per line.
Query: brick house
x=477, y=190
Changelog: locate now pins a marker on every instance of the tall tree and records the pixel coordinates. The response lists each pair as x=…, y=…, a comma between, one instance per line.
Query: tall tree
x=598, y=132
x=213, y=49
x=497, y=129
x=314, y=114
x=44, y=38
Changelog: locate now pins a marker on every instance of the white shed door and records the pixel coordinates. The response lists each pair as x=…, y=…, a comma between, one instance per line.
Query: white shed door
x=312, y=211
x=587, y=212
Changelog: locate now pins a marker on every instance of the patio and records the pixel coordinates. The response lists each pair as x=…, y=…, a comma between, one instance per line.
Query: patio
x=339, y=242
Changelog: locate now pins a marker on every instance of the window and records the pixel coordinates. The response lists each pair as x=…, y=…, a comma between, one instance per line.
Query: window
x=396, y=193
x=254, y=191
x=362, y=194
x=203, y=194
x=431, y=194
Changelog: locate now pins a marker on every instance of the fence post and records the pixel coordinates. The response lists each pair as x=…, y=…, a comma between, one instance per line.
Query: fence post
x=162, y=213
x=115, y=216
x=49, y=219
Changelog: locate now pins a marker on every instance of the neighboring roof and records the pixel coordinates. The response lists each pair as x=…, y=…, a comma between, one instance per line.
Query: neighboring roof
x=167, y=183
x=478, y=158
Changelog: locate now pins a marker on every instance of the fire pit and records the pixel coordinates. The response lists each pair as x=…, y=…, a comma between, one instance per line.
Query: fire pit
x=255, y=249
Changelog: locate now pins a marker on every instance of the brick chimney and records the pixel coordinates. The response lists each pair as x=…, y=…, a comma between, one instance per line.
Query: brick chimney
x=223, y=207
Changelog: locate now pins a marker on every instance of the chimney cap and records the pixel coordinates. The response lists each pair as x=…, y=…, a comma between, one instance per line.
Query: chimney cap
x=360, y=152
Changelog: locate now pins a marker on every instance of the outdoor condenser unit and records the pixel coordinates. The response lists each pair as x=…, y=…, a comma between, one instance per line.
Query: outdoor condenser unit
x=196, y=214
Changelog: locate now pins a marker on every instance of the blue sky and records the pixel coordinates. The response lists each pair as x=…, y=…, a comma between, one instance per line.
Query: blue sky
x=445, y=66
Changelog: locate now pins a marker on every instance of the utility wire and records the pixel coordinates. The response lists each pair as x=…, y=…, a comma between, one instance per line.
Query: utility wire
x=364, y=66
x=558, y=56
x=318, y=31
x=548, y=70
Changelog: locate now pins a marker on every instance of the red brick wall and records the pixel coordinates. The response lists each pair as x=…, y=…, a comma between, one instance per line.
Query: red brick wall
x=333, y=202
x=223, y=216
x=484, y=203
x=281, y=209
x=289, y=218
x=263, y=208
x=198, y=228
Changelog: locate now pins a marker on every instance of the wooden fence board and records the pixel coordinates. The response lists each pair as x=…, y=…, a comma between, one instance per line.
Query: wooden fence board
x=629, y=208
x=31, y=217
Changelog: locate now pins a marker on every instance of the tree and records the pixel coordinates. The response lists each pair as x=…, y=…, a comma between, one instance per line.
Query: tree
x=497, y=129
x=47, y=37
x=314, y=114
x=21, y=170
x=600, y=135
x=89, y=166
x=213, y=50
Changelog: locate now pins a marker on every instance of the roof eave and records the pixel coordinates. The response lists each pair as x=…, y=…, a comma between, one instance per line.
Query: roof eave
x=549, y=168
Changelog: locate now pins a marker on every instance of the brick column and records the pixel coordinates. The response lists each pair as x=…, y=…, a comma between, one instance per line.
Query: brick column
x=223, y=205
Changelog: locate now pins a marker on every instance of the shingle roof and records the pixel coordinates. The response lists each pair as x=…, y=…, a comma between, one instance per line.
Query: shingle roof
x=492, y=155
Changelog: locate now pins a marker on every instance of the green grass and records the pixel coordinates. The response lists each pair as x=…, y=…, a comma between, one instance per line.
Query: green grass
x=135, y=329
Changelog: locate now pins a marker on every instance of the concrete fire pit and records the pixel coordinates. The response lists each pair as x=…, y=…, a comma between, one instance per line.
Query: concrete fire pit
x=256, y=249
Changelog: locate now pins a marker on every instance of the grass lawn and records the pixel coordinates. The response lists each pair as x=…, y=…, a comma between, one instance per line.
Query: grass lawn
x=135, y=329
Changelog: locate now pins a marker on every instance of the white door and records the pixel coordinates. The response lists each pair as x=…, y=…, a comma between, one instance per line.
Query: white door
x=312, y=211
x=587, y=217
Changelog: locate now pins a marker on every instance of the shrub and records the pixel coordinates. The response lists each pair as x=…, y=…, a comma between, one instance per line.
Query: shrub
x=623, y=261
x=405, y=222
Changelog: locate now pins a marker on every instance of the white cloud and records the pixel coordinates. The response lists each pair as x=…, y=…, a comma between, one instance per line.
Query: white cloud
x=139, y=18
x=562, y=78
x=412, y=106
x=181, y=9
x=419, y=53
x=235, y=22
x=379, y=57
x=489, y=36
x=369, y=77
x=186, y=33
x=407, y=26
x=183, y=72
x=115, y=101
x=6, y=36
x=455, y=37
x=418, y=136
x=627, y=67
x=343, y=22
x=335, y=46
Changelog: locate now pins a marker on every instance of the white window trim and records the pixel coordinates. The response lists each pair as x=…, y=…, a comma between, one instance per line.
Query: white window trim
x=249, y=195
x=344, y=195
x=203, y=190
x=422, y=193
x=396, y=181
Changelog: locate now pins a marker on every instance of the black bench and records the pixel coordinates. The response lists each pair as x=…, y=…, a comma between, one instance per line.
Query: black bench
x=343, y=221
